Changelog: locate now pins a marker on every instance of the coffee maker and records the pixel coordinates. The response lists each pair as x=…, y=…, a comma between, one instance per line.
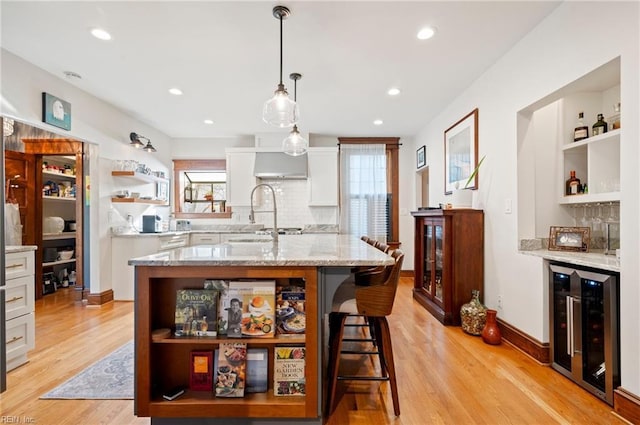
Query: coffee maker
x=151, y=224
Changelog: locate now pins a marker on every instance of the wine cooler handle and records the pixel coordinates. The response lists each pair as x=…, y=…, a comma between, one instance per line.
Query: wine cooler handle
x=570, y=344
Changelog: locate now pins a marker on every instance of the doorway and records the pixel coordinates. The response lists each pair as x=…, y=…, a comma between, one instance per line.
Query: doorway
x=47, y=181
x=422, y=187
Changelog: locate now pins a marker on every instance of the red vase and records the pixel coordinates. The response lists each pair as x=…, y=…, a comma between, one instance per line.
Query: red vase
x=491, y=332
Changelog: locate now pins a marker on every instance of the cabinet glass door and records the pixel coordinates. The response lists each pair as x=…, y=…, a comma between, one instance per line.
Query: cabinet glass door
x=593, y=325
x=438, y=245
x=428, y=258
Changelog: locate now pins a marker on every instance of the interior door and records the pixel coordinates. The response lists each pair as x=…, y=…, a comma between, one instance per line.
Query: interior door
x=20, y=181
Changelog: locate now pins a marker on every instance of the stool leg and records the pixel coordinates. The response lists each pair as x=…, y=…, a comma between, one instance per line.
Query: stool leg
x=376, y=334
x=385, y=346
x=336, y=330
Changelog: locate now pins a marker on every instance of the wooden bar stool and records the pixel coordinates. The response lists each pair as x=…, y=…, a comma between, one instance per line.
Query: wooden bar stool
x=374, y=302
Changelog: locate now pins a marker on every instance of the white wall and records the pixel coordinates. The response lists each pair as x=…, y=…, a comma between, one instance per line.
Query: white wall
x=558, y=51
x=94, y=121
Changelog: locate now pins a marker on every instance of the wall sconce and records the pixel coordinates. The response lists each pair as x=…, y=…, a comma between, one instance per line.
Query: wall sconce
x=136, y=143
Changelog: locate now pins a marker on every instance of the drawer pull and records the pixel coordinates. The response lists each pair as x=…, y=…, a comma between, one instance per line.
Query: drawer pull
x=14, y=299
x=13, y=266
x=14, y=339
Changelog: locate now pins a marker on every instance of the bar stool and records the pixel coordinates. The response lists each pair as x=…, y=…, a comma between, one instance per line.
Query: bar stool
x=374, y=303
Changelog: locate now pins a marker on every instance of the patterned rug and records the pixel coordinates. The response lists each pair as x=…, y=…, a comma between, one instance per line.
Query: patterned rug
x=109, y=378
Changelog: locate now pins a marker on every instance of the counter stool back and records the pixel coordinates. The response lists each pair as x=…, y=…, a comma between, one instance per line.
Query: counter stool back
x=374, y=303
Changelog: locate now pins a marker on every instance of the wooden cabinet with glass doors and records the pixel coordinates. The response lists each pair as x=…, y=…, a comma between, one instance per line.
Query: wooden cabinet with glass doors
x=449, y=260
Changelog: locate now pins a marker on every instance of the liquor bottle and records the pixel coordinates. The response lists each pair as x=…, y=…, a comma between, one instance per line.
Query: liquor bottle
x=581, y=131
x=600, y=127
x=572, y=184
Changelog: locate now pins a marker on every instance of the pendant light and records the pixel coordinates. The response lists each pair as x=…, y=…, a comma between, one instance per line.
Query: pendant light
x=280, y=111
x=136, y=143
x=295, y=144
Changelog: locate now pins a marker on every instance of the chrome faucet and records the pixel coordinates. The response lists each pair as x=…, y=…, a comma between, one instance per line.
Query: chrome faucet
x=252, y=220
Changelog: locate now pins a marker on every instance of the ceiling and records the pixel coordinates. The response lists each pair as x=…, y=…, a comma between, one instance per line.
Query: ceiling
x=224, y=56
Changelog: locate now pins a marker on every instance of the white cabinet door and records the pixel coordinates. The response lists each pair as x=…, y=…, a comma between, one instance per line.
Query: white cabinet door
x=240, y=178
x=323, y=177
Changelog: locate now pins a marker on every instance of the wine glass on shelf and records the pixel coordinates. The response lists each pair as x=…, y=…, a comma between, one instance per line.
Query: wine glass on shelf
x=584, y=221
x=612, y=217
x=596, y=220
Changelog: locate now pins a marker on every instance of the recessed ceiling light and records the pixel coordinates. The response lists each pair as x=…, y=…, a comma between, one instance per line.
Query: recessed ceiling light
x=100, y=34
x=394, y=91
x=426, y=33
x=377, y=122
x=208, y=121
x=175, y=91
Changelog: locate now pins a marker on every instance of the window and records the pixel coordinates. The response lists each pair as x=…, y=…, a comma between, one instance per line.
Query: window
x=378, y=207
x=201, y=188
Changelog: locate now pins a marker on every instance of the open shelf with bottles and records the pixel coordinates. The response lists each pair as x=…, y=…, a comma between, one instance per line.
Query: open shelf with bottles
x=596, y=161
x=163, y=364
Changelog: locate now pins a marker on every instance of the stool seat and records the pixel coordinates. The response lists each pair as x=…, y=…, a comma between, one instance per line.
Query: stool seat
x=373, y=302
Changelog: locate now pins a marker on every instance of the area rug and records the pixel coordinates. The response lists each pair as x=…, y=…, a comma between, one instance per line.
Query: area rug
x=110, y=378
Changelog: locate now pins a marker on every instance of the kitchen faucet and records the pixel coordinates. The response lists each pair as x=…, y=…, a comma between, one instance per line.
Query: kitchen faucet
x=252, y=220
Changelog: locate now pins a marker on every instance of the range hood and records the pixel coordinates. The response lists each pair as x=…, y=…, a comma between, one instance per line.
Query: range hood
x=279, y=165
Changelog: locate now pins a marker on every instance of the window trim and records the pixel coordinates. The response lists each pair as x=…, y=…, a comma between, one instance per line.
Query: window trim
x=392, y=145
x=181, y=165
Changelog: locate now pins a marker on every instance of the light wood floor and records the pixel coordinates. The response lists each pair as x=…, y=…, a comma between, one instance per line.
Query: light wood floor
x=444, y=375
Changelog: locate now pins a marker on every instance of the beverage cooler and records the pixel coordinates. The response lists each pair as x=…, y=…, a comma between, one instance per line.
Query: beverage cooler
x=584, y=321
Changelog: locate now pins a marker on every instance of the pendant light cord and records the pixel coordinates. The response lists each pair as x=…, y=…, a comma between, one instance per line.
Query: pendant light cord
x=281, y=49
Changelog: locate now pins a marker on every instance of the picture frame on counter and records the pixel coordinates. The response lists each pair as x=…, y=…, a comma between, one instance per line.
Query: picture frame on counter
x=461, y=153
x=574, y=239
x=421, y=157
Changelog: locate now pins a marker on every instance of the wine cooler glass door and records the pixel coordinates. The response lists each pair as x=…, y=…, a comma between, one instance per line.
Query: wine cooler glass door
x=561, y=308
x=593, y=370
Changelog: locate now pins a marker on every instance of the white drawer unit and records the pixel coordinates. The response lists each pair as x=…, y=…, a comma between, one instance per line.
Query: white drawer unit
x=21, y=337
x=166, y=243
x=205, y=239
x=19, y=264
x=19, y=297
x=20, y=307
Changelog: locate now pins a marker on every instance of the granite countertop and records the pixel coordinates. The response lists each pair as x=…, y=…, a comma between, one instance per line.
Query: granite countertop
x=596, y=259
x=19, y=248
x=146, y=235
x=291, y=250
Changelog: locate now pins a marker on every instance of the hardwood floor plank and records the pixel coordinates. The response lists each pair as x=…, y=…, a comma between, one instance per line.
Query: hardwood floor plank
x=444, y=375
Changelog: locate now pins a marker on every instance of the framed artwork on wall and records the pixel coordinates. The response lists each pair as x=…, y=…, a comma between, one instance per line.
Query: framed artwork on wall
x=56, y=111
x=421, y=157
x=461, y=153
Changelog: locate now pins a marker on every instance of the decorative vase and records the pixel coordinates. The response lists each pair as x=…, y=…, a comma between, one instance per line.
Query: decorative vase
x=491, y=333
x=462, y=198
x=473, y=315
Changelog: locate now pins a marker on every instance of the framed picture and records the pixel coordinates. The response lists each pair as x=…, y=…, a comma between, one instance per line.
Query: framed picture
x=56, y=111
x=162, y=191
x=421, y=157
x=461, y=153
x=569, y=238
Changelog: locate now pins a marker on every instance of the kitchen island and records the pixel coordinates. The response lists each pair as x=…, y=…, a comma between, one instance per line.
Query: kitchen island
x=322, y=261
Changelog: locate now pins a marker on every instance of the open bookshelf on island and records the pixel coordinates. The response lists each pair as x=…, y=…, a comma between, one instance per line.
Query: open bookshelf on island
x=162, y=364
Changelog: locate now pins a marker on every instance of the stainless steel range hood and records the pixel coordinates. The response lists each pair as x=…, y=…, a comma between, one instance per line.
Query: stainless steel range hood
x=279, y=165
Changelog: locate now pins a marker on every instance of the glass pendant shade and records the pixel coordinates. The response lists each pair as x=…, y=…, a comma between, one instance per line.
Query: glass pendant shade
x=295, y=144
x=280, y=111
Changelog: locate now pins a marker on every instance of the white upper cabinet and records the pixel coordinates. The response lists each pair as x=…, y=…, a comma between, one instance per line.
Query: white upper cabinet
x=240, y=177
x=323, y=177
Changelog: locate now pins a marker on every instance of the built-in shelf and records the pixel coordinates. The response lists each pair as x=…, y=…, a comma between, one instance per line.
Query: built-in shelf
x=145, y=178
x=139, y=201
x=69, y=177
x=590, y=198
x=58, y=236
x=594, y=139
x=59, y=198
x=278, y=340
x=56, y=263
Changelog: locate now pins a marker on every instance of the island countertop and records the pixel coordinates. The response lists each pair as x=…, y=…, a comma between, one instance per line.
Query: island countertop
x=322, y=250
